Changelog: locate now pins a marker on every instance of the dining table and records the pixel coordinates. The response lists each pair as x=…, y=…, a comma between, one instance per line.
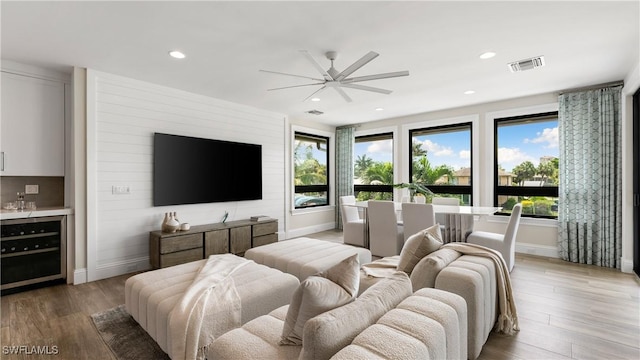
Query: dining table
x=458, y=220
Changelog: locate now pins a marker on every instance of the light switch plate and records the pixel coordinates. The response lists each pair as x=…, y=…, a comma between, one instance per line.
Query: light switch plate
x=31, y=189
x=121, y=190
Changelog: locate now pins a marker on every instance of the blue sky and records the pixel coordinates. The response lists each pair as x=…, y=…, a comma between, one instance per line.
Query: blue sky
x=516, y=144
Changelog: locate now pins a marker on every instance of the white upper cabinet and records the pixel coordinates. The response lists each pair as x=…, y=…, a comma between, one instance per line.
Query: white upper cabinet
x=32, y=126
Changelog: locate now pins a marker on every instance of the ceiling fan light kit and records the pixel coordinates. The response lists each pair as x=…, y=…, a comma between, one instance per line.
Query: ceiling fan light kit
x=332, y=78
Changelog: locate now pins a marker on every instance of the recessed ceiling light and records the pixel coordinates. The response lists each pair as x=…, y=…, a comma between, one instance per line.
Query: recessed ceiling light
x=177, y=54
x=487, y=55
x=315, y=99
x=379, y=109
x=469, y=92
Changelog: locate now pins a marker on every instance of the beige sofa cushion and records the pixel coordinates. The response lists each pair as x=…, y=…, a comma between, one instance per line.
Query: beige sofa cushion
x=425, y=272
x=327, y=333
x=257, y=339
x=418, y=246
x=334, y=287
x=430, y=324
x=473, y=278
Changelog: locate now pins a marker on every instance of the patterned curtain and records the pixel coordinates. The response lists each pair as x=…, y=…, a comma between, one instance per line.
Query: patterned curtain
x=590, y=188
x=344, y=167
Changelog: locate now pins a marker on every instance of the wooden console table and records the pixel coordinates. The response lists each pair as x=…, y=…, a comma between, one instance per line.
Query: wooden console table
x=168, y=249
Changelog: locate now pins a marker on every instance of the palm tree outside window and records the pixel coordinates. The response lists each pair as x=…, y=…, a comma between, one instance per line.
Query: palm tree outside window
x=373, y=167
x=311, y=174
x=441, y=160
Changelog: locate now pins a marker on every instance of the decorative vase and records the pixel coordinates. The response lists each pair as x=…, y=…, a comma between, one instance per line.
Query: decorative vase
x=164, y=222
x=172, y=225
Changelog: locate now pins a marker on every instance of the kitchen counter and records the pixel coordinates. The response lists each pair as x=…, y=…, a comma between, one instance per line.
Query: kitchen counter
x=39, y=212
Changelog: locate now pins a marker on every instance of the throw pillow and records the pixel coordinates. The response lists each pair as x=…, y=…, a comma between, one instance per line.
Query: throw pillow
x=322, y=292
x=418, y=246
x=425, y=272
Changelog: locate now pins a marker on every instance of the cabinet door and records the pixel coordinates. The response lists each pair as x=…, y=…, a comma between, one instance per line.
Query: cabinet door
x=32, y=126
x=240, y=239
x=216, y=242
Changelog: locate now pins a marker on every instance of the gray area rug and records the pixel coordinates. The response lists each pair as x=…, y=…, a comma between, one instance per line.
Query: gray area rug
x=126, y=339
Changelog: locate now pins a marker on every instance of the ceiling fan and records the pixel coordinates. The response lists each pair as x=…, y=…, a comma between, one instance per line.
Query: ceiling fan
x=331, y=78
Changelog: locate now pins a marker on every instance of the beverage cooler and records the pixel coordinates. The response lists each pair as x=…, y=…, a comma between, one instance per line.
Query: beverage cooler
x=33, y=250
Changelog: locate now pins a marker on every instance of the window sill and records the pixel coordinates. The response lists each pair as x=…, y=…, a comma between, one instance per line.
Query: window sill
x=311, y=210
x=524, y=221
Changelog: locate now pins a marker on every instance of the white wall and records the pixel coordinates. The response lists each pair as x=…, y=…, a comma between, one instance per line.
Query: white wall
x=122, y=115
x=631, y=85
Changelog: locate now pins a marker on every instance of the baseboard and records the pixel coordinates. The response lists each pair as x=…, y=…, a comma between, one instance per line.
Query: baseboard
x=310, y=230
x=626, y=266
x=79, y=276
x=538, y=250
x=122, y=267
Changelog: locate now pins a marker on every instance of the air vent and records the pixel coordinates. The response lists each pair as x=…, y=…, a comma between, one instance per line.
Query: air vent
x=314, y=112
x=527, y=64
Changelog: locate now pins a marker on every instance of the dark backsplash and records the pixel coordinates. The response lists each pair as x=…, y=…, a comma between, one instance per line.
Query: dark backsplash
x=51, y=192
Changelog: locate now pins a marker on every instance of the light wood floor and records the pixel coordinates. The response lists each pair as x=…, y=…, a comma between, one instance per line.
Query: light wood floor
x=566, y=311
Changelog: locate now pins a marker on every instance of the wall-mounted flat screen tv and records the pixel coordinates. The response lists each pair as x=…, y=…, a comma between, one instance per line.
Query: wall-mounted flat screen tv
x=189, y=170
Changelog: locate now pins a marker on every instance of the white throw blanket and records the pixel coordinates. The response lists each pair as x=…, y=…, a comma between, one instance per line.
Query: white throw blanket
x=508, y=317
x=381, y=268
x=210, y=307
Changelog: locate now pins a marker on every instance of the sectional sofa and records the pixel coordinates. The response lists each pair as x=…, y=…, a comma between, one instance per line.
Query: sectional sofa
x=378, y=312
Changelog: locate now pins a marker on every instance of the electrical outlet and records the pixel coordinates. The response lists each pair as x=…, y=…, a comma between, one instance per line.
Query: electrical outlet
x=31, y=189
x=121, y=190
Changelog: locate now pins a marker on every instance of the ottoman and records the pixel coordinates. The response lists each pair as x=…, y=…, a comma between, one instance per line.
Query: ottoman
x=151, y=296
x=303, y=257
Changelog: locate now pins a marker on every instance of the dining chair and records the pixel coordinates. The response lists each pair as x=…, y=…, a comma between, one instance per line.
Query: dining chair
x=503, y=243
x=442, y=218
x=385, y=234
x=444, y=201
x=416, y=217
x=353, y=230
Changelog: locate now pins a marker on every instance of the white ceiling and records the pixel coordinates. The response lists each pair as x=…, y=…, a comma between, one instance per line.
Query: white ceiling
x=226, y=43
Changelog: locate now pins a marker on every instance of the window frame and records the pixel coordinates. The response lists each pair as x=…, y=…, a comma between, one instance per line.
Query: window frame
x=312, y=188
x=377, y=188
x=500, y=190
x=447, y=189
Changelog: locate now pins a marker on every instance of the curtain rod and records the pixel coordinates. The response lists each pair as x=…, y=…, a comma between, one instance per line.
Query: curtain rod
x=594, y=87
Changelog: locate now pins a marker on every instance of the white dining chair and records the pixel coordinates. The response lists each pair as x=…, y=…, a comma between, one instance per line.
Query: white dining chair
x=352, y=225
x=416, y=217
x=504, y=243
x=385, y=235
x=442, y=218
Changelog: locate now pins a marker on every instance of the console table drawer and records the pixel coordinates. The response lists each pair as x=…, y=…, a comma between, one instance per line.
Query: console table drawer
x=180, y=257
x=265, y=229
x=264, y=239
x=179, y=243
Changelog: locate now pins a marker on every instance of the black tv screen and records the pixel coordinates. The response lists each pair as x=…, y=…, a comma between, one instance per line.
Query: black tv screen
x=189, y=170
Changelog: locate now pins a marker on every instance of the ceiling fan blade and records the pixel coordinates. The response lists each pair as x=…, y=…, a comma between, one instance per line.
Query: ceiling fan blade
x=315, y=92
x=342, y=93
x=367, y=88
x=375, y=77
x=294, y=86
x=357, y=65
x=298, y=76
x=315, y=64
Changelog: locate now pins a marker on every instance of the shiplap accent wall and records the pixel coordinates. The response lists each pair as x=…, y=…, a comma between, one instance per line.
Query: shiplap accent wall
x=122, y=115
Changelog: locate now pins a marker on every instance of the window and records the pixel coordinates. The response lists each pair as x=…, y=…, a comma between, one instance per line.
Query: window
x=373, y=167
x=441, y=160
x=311, y=171
x=526, y=169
